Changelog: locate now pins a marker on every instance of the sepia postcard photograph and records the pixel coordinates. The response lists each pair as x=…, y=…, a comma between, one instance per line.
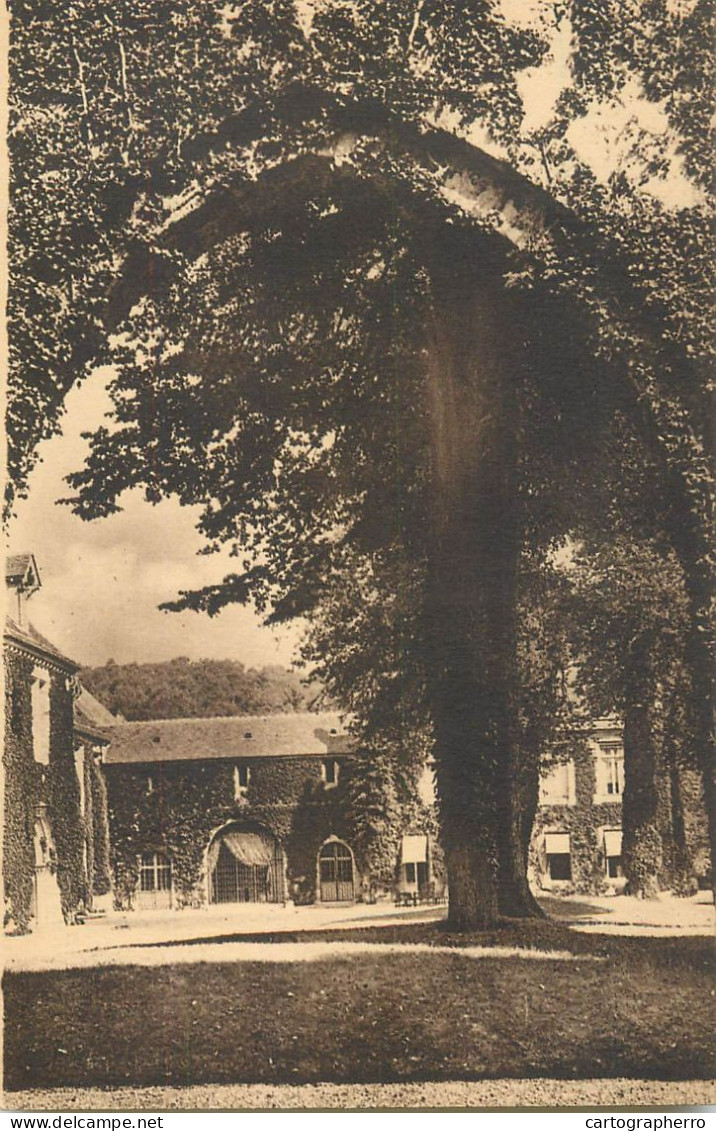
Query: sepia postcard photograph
x=358, y=719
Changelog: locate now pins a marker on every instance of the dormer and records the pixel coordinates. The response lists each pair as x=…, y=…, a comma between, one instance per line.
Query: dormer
x=22, y=576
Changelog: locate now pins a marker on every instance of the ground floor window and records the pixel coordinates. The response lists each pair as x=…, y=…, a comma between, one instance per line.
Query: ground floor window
x=613, y=853
x=155, y=881
x=335, y=873
x=414, y=872
x=560, y=866
x=559, y=856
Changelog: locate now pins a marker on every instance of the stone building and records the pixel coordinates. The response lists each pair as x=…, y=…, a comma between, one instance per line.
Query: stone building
x=55, y=819
x=576, y=842
x=273, y=808
x=255, y=809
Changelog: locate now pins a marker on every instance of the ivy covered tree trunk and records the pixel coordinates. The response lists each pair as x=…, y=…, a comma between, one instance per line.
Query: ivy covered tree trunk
x=681, y=877
x=473, y=546
x=700, y=661
x=101, y=874
x=641, y=838
x=63, y=801
x=515, y=898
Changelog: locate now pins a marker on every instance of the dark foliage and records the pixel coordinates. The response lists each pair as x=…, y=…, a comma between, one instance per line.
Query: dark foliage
x=186, y=689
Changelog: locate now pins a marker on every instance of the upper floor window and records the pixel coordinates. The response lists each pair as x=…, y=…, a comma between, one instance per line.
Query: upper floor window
x=40, y=693
x=610, y=773
x=329, y=773
x=80, y=771
x=242, y=777
x=557, y=785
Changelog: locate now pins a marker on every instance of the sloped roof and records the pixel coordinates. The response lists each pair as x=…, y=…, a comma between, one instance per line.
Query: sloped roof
x=244, y=736
x=28, y=637
x=92, y=716
x=20, y=569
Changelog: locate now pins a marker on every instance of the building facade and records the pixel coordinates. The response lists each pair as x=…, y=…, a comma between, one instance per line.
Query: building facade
x=577, y=838
x=55, y=819
x=251, y=810
x=274, y=808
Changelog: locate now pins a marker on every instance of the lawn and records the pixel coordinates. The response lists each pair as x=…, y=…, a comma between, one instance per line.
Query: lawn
x=644, y=1010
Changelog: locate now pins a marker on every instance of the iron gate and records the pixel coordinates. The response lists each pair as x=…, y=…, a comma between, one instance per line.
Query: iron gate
x=238, y=877
x=335, y=867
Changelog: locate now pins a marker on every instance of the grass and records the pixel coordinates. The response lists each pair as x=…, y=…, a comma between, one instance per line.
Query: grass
x=646, y=1011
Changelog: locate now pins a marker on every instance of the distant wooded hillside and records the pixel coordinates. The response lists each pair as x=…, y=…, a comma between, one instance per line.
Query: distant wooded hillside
x=185, y=688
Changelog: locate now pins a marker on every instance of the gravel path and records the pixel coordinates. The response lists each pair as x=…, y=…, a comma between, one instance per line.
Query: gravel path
x=268, y=952
x=350, y=1097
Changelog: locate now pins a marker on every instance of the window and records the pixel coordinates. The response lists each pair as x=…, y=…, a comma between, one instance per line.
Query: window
x=559, y=856
x=560, y=866
x=613, y=853
x=557, y=784
x=40, y=693
x=413, y=862
x=80, y=771
x=242, y=777
x=329, y=773
x=155, y=881
x=610, y=772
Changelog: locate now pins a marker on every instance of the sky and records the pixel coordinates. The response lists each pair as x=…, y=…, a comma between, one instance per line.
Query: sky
x=103, y=580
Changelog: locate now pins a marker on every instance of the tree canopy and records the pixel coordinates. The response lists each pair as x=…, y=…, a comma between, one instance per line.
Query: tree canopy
x=378, y=319
x=183, y=688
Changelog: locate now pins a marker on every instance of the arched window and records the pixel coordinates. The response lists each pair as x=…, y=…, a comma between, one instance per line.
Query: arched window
x=245, y=865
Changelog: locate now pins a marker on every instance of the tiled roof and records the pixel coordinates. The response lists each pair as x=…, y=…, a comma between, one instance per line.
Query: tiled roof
x=35, y=642
x=245, y=736
x=17, y=567
x=91, y=715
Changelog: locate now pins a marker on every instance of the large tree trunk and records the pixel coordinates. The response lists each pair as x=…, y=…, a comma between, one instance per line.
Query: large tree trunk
x=515, y=898
x=470, y=601
x=677, y=867
x=682, y=879
x=700, y=663
x=690, y=537
x=641, y=839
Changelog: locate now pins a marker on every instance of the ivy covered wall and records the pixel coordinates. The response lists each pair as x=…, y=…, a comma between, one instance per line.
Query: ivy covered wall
x=584, y=821
x=22, y=792
x=80, y=838
x=63, y=799
x=188, y=801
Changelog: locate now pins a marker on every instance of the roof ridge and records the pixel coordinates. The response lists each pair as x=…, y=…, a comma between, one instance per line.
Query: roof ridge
x=230, y=718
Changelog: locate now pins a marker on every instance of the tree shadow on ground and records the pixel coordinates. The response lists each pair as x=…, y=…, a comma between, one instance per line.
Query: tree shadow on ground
x=570, y=909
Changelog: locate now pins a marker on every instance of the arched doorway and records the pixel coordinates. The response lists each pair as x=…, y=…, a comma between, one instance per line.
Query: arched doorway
x=245, y=865
x=336, y=873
